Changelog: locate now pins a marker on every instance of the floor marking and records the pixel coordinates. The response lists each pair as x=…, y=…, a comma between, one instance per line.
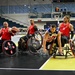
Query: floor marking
x=17, y=69
x=45, y=63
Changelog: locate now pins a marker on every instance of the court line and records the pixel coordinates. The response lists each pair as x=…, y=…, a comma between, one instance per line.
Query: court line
x=45, y=63
x=24, y=69
x=17, y=69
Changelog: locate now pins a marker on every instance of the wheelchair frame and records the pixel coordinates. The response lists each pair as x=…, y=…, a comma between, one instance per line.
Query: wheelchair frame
x=67, y=49
x=29, y=44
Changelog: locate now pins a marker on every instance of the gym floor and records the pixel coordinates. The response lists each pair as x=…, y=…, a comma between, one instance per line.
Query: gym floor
x=24, y=61
x=27, y=63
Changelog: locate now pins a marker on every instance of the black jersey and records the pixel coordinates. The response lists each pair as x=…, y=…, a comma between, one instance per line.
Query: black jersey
x=53, y=34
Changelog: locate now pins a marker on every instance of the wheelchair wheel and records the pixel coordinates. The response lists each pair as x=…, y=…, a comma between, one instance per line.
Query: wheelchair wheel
x=9, y=48
x=35, y=42
x=72, y=45
x=33, y=45
x=38, y=37
x=52, y=49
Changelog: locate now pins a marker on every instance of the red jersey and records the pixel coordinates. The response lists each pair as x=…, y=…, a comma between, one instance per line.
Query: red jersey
x=5, y=35
x=31, y=29
x=65, y=29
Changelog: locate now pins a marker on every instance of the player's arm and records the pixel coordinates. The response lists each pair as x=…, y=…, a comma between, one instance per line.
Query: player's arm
x=72, y=30
x=59, y=28
x=45, y=35
x=28, y=30
x=59, y=25
x=35, y=28
x=44, y=41
x=0, y=32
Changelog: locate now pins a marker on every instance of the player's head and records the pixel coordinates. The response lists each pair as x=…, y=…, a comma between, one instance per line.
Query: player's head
x=53, y=28
x=32, y=22
x=5, y=24
x=66, y=18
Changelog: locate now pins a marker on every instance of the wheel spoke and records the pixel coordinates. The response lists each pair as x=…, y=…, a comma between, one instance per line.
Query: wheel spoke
x=6, y=48
x=9, y=43
x=11, y=52
x=13, y=47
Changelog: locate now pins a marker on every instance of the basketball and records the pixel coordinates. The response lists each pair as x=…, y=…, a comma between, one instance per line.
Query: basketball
x=14, y=29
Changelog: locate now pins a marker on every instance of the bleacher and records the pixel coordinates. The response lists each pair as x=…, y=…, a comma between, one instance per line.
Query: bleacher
x=46, y=12
x=39, y=8
x=10, y=23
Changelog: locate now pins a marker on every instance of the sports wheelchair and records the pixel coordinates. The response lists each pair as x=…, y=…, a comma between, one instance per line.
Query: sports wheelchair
x=8, y=48
x=30, y=43
x=68, y=49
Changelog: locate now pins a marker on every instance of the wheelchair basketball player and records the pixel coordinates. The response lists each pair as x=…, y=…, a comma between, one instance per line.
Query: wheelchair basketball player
x=51, y=35
x=65, y=28
x=22, y=43
x=6, y=32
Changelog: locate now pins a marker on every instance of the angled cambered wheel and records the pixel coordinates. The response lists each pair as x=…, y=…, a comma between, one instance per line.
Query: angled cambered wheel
x=38, y=37
x=72, y=46
x=9, y=48
x=52, y=49
x=35, y=43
